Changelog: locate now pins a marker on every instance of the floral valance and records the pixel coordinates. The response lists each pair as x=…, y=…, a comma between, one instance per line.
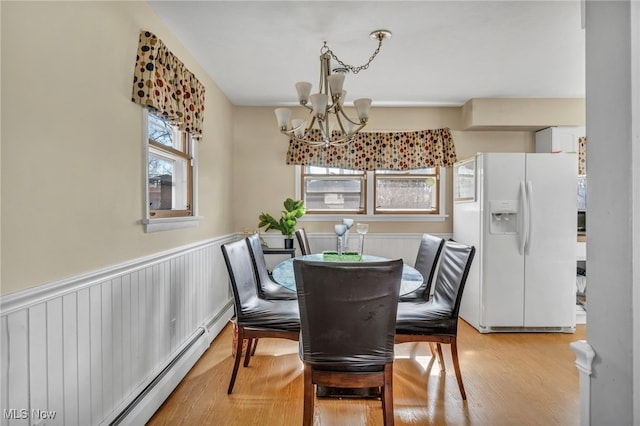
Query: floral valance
x=381, y=151
x=163, y=83
x=582, y=156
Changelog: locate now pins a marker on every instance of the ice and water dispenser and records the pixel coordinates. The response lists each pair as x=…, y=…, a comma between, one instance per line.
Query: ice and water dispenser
x=504, y=216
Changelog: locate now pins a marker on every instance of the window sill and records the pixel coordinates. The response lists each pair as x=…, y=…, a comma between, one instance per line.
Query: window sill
x=170, y=223
x=374, y=218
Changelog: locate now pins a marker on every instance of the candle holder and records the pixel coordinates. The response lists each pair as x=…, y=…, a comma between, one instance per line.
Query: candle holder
x=362, y=229
x=340, y=231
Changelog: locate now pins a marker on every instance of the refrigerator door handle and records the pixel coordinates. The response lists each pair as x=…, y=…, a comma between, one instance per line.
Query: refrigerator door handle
x=530, y=217
x=524, y=219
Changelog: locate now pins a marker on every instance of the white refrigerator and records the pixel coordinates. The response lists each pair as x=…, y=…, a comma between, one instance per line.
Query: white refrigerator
x=519, y=211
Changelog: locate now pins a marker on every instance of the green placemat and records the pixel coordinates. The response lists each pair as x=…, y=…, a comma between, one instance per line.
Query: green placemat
x=347, y=256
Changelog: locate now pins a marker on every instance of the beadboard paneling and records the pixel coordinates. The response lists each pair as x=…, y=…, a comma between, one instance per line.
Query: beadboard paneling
x=86, y=347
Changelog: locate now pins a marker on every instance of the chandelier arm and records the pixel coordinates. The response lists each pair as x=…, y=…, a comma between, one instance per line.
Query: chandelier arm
x=340, y=124
x=357, y=123
x=322, y=130
x=310, y=126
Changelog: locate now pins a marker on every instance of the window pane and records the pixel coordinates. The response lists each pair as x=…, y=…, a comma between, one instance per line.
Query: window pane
x=168, y=183
x=406, y=194
x=330, y=194
x=315, y=170
x=162, y=132
x=427, y=171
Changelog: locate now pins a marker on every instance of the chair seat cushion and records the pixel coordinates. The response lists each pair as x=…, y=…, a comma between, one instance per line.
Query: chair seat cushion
x=415, y=296
x=273, y=291
x=420, y=317
x=270, y=314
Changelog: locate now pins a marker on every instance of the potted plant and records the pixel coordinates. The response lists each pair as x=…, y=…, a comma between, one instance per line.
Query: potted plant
x=293, y=210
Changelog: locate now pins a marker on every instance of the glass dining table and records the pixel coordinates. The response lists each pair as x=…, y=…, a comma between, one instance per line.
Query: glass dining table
x=283, y=272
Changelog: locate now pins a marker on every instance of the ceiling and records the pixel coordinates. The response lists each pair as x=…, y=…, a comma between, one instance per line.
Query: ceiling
x=442, y=53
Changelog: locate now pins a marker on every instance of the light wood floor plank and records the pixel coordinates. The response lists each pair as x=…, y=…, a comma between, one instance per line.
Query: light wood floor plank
x=510, y=379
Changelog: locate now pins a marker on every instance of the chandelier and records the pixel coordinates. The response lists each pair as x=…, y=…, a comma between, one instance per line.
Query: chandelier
x=326, y=122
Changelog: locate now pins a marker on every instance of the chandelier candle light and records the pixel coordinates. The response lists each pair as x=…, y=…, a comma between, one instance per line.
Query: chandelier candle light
x=326, y=108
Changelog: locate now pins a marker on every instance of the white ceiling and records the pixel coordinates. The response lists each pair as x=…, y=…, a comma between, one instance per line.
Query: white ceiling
x=441, y=52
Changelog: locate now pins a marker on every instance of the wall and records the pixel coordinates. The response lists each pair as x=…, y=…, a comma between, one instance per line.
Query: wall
x=72, y=158
x=613, y=132
x=264, y=180
x=97, y=318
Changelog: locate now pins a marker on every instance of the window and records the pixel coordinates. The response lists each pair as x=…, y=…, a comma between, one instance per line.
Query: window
x=170, y=164
x=413, y=191
x=409, y=195
x=332, y=190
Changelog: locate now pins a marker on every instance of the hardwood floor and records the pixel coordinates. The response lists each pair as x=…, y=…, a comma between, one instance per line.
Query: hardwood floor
x=510, y=379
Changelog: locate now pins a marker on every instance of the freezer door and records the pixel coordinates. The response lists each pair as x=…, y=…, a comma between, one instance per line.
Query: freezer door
x=550, y=254
x=502, y=264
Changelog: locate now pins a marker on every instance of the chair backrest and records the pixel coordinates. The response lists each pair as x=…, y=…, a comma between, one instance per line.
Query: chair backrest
x=259, y=264
x=243, y=279
x=452, y=276
x=427, y=259
x=303, y=241
x=348, y=312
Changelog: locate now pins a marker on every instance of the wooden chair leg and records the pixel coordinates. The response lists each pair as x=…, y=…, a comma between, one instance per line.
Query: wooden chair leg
x=456, y=367
x=440, y=357
x=247, y=355
x=309, y=397
x=236, y=362
x=433, y=352
x=251, y=350
x=387, y=396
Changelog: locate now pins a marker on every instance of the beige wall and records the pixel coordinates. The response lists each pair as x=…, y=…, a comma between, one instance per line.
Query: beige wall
x=262, y=180
x=72, y=156
x=71, y=169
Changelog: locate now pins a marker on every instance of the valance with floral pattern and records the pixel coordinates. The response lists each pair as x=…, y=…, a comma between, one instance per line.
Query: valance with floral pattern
x=582, y=155
x=380, y=151
x=162, y=82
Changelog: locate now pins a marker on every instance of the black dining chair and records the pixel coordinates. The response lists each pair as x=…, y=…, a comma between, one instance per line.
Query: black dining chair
x=347, y=319
x=303, y=241
x=426, y=263
x=436, y=320
x=267, y=288
x=255, y=317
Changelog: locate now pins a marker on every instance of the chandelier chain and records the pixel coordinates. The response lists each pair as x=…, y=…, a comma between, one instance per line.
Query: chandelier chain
x=352, y=68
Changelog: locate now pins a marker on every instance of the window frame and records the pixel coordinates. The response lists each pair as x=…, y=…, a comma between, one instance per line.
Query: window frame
x=370, y=200
x=399, y=175
x=358, y=175
x=162, y=220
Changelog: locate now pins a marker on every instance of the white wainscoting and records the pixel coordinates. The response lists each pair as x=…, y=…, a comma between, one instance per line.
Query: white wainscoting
x=108, y=347
x=391, y=246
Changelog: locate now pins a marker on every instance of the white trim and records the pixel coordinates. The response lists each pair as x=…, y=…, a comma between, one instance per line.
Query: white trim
x=584, y=358
x=374, y=218
x=635, y=202
x=169, y=223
